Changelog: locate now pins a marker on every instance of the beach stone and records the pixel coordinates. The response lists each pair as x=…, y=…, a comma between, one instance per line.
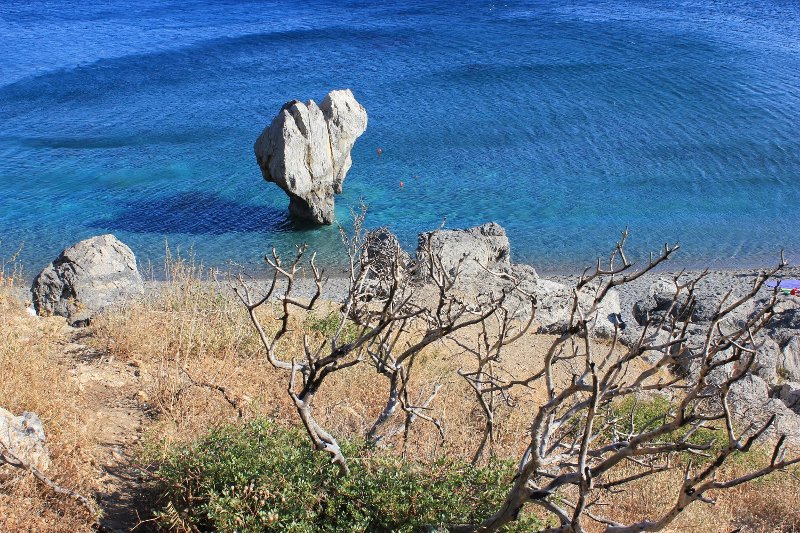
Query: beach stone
x=24, y=437
x=787, y=314
x=381, y=251
x=306, y=151
x=789, y=394
x=788, y=360
x=476, y=253
x=681, y=357
x=750, y=392
x=554, y=306
x=776, y=363
x=659, y=302
x=751, y=403
x=85, y=278
x=470, y=252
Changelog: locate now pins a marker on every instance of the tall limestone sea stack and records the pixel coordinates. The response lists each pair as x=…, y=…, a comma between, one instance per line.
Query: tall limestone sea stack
x=306, y=151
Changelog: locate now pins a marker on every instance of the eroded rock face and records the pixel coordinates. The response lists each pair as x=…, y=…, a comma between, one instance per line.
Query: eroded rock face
x=751, y=402
x=468, y=251
x=482, y=258
x=24, y=437
x=86, y=278
x=382, y=252
x=554, y=306
x=306, y=151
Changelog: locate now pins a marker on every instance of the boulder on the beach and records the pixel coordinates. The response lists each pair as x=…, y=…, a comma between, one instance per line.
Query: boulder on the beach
x=750, y=402
x=480, y=260
x=661, y=300
x=306, y=151
x=785, y=324
x=86, y=278
x=554, y=306
x=788, y=360
x=23, y=436
x=469, y=253
x=775, y=363
x=382, y=253
x=789, y=394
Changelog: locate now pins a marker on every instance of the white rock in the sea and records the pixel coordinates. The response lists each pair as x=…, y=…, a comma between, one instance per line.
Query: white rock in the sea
x=86, y=278
x=306, y=151
x=24, y=437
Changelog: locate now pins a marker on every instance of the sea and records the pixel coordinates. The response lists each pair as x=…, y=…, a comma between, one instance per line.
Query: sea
x=564, y=121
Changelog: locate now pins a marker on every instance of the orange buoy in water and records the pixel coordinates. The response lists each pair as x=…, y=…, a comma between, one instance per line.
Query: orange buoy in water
x=380, y=151
x=401, y=184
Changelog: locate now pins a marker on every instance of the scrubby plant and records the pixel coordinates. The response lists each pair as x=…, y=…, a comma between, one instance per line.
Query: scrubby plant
x=262, y=477
x=10, y=269
x=326, y=324
x=579, y=451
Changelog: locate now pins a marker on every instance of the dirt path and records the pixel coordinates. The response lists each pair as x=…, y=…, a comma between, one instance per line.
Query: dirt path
x=108, y=391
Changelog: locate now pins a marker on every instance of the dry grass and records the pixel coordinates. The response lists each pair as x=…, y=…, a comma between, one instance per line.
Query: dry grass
x=190, y=329
x=35, y=378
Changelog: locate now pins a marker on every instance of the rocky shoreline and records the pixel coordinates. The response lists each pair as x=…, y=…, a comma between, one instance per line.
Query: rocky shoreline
x=93, y=274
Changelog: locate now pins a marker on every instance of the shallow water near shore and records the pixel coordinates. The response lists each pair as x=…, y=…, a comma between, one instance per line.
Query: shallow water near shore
x=565, y=123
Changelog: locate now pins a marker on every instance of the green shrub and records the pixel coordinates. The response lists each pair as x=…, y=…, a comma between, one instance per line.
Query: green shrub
x=260, y=477
x=648, y=414
x=328, y=324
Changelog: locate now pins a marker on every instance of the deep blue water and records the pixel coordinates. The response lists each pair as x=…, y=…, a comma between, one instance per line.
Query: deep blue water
x=563, y=121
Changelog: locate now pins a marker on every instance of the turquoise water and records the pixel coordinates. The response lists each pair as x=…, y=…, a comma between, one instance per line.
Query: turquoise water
x=563, y=121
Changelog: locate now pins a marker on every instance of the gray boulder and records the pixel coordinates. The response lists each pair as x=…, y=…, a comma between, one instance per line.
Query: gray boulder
x=751, y=404
x=775, y=363
x=306, y=151
x=468, y=251
x=24, y=437
x=787, y=314
x=788, y=363
x=381, y=252
x=474, y=252
x=554, y=306
x=86, y=278
x=789, y=394
x=659, y=302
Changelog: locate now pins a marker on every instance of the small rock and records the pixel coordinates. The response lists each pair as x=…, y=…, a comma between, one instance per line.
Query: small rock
x=468, y=251
x=86, y=278
x=24, y=437
x=381, y=252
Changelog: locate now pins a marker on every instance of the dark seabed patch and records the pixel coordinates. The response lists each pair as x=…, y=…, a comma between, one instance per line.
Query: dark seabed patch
x=195, y=213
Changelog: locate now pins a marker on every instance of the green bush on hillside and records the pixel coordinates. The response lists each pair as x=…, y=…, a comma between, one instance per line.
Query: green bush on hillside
x=261, y=477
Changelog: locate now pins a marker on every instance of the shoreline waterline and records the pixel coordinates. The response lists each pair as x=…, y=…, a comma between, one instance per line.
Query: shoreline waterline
x=675, y=119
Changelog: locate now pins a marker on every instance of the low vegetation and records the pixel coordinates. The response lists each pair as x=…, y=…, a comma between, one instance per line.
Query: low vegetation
x=227, y=451
x=261, y=476
x=35, y=376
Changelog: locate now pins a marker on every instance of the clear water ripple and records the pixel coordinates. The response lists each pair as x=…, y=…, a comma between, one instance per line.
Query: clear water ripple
x=565, y=123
